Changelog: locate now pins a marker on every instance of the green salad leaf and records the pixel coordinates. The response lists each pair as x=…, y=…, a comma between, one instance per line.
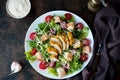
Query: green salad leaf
x=81, y=34
x=84, y=33
x=43, y=27
x=32, y=44
x=29, y=56
x=52, y=71
x=75, y=64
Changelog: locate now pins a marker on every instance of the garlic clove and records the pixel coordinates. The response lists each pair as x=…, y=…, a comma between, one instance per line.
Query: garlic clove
x=15, y=67
x=18, y=67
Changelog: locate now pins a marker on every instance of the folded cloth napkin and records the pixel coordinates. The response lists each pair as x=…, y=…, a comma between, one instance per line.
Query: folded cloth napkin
x=107, y=21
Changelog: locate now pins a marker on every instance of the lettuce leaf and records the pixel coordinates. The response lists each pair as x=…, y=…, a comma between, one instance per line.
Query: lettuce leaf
x=32, y=44
x=84, y=33
x=81, y=34
x=75, y=64
x=43, y=27
x=29, y=56
x=52, y=71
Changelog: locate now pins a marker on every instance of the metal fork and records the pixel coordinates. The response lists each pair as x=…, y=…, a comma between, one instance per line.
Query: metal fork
x=97, y=57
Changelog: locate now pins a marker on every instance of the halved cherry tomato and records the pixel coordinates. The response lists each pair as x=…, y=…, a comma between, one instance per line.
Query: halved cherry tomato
x=86, y=42
x=48, y=18
x=68, y=16
x=79, y=26
x=33, y=52
x=43, y=65
x=52, y=64
x=32, y=35
x=83, y=56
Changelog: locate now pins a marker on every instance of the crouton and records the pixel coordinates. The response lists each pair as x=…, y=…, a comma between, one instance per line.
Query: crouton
x=77, y=44
x=70, y=26
x=68, y=56
x=44, y=37
x=57, y=19
x=86, y=49
x=61, y=72
x=39, y=56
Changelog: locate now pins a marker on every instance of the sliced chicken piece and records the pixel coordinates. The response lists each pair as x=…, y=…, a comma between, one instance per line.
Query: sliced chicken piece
x=61, y=72
x=53, y=58
x=70, y=37
x=68, y=56
x=44, y=37
x=56, y=46
x=52, y=50
x=39, y=56
x=67, y=41
x=70, y=26
x=57, y=19
x=86, y=49
x=62, y=38
x=56, y=39
x=77, y=44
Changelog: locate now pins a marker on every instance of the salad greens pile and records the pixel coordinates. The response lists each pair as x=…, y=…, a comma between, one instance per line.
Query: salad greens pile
x=40, y=42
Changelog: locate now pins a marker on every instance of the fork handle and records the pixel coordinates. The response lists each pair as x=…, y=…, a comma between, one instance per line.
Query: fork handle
x=94, y=66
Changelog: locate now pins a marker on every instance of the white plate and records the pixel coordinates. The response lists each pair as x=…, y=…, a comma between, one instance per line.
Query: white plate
x=32, y=28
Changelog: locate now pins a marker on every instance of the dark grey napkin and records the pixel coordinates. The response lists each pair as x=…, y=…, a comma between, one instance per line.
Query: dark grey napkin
x=107, y=21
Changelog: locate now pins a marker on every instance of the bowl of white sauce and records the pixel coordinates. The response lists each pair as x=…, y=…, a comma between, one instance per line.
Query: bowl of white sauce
x=18, y=8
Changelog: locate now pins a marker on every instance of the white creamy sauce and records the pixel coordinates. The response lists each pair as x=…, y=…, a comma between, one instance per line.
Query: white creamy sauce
x=18, y=8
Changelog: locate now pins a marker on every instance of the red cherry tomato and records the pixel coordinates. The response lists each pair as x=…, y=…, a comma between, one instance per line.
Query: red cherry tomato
x=43, y=65
x=68, y=16
x=33, y=52
x=84, y=57
x=32, y=35
x=48, y=18
x=52, y=64
x=79, y=26
x=86, y=42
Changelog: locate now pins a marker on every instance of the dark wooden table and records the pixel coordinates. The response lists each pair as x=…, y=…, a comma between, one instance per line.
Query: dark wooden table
x=13, y=31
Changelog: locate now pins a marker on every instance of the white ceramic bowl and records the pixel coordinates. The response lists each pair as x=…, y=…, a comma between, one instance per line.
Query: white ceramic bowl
x=11, y=8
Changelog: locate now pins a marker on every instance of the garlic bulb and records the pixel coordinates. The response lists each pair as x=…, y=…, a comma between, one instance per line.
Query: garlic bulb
x=15, y=67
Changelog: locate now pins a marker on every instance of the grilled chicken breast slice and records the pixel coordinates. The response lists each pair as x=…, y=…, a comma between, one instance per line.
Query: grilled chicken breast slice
x=62, y=38
x=53, y=58
x=56, y=46
x=56, y=39
x=70, y=37
x=52, y=50
x=67, y=41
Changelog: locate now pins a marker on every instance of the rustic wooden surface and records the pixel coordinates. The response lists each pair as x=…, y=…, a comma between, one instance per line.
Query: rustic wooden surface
x=13, y=31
